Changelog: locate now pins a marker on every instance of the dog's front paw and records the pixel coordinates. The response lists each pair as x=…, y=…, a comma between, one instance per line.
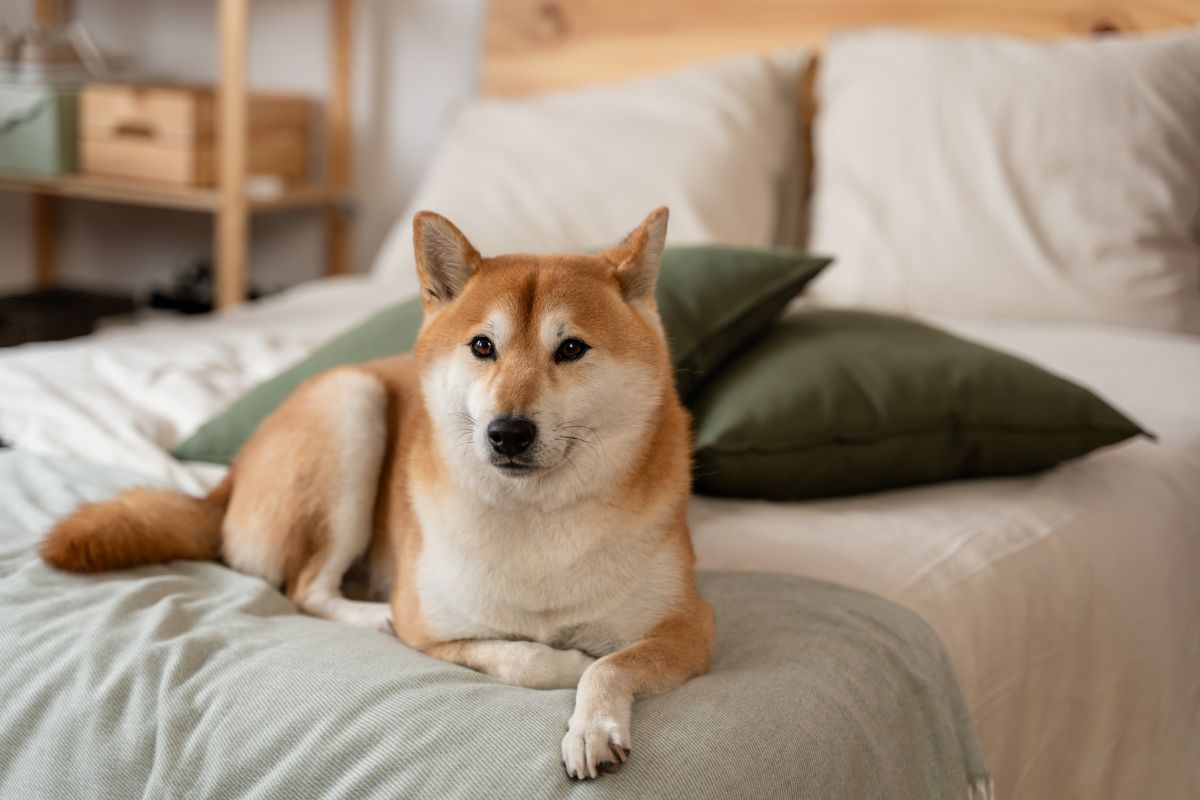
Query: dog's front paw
x=594, y=746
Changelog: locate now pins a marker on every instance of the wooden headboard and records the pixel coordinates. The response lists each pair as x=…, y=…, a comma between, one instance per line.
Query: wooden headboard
x=536, y=45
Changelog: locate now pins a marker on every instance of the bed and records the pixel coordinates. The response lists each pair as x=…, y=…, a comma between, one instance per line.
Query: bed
x=1067, y=601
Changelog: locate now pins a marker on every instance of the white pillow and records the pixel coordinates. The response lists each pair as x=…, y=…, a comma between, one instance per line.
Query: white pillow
x=568, y=170
x=994, y=177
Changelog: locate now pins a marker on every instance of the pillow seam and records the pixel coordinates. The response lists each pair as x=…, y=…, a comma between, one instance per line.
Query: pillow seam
x=877, y=439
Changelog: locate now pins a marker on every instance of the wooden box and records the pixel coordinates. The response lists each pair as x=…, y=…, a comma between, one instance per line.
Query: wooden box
x=167, y=133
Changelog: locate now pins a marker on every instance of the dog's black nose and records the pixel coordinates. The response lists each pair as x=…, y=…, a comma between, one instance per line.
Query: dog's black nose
x=511, y=436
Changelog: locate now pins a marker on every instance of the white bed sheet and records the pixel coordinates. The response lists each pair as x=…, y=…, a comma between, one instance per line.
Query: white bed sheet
x=125, y=395
x=1069, y=602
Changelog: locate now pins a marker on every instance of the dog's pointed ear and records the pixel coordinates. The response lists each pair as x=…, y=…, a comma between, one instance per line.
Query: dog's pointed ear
x=445, y=259
x=639, y=257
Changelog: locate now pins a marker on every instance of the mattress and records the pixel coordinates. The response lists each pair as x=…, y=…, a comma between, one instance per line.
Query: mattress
x=1067, y=601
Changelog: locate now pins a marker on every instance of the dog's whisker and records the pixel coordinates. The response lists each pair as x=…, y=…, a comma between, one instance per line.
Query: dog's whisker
x=568, y=425
x=567, y=458
x=580, y=440
x=591, y=433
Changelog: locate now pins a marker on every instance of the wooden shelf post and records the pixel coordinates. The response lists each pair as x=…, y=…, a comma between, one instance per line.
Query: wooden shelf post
x=45, y=239
x=44, y=207
x=231, y=232
x=338, y=132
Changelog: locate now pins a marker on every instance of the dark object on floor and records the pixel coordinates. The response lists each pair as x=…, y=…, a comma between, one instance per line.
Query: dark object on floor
x=51, y=314
x=4, y=444
x=192, y=292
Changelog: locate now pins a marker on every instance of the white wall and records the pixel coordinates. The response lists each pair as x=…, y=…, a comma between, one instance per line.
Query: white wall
x=415, y=60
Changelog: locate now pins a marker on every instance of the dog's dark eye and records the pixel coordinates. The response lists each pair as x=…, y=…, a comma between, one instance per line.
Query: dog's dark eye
x=570, y=350
x=482, y=347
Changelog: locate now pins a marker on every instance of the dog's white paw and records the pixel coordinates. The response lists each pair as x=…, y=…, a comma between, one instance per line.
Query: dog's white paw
x=536, y=666
x=373, y=616
x=594, y=746
x=376, y=619
x=569, y=667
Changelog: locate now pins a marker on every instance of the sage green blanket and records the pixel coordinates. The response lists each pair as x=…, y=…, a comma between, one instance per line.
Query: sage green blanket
x=193, y=681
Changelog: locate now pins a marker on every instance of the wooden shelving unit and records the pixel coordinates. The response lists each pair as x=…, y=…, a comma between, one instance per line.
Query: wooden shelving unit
x=229, y=202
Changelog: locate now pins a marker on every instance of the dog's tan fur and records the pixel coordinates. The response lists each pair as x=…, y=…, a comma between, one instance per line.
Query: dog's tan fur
x=579, y=574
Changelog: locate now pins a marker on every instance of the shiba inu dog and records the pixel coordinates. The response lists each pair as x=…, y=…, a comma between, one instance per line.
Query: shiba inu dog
x=516, y=487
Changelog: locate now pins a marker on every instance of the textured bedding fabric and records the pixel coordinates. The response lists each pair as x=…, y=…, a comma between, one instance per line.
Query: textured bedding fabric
x=191, y=680
x=1067, y=601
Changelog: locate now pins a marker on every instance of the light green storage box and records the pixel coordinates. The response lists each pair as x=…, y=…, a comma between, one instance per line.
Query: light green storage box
x=38, y=130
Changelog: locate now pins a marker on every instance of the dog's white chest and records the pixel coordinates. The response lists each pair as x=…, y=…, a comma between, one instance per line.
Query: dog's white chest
x=582, y=578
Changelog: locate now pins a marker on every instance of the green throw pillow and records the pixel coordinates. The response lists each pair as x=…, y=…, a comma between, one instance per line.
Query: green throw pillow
x=840, y=402
x=714, y=300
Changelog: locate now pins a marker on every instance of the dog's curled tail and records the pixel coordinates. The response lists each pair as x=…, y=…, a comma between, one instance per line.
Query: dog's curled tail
x=138, y=526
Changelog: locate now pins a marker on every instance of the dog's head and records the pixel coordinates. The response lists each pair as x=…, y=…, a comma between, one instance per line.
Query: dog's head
x=542, y=374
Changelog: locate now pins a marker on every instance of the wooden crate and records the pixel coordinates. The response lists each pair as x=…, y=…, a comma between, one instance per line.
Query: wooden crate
x=166, y=133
